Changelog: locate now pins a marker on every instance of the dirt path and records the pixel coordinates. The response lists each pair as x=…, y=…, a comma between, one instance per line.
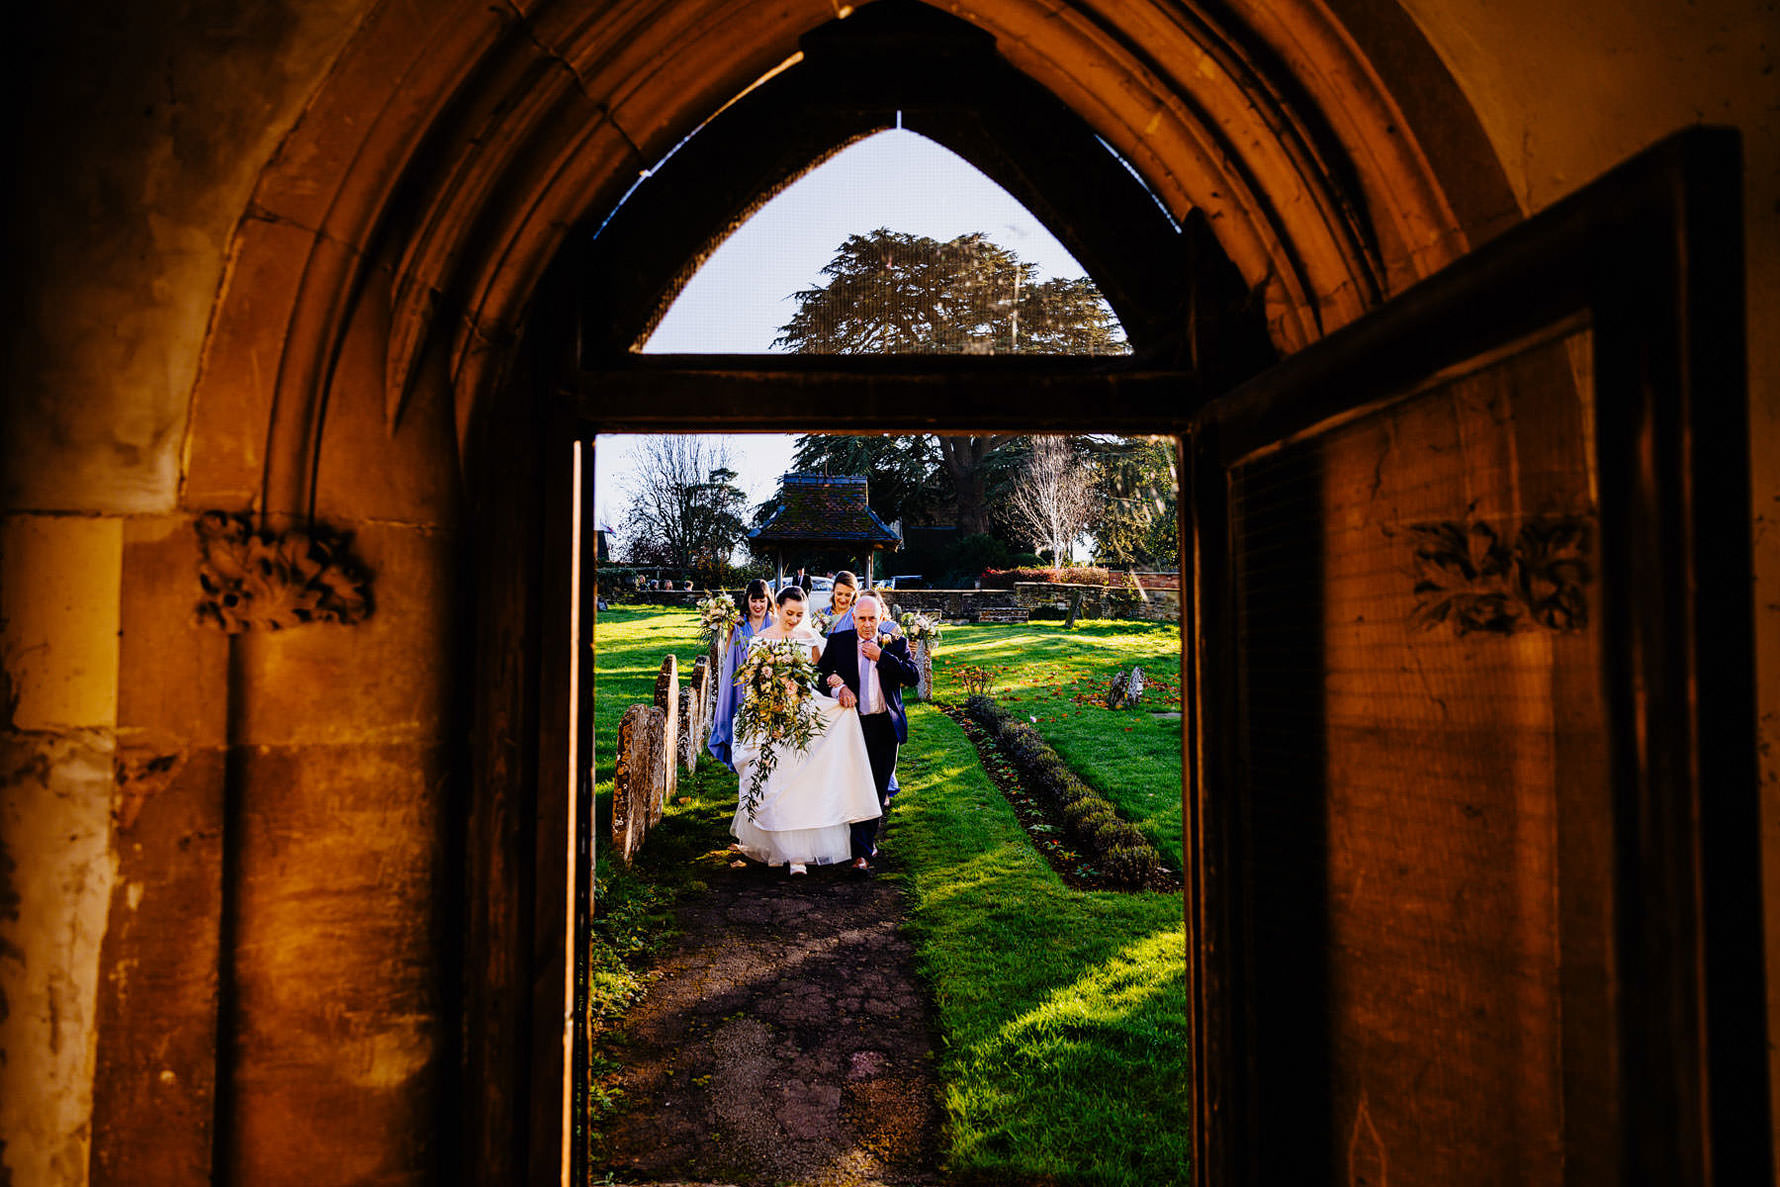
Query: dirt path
x=787, y=1040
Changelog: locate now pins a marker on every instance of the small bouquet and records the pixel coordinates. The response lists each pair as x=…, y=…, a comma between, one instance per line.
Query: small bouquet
x=821, y=621
x=717, y=616
x=917, y=626
x=778, y=683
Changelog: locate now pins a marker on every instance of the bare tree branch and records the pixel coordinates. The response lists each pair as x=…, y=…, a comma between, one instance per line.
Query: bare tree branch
x=1054, y=500
x=685, y=510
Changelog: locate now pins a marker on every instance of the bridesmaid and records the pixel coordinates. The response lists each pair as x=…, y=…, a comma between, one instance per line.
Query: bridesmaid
x=846, y=591
x=758, y=618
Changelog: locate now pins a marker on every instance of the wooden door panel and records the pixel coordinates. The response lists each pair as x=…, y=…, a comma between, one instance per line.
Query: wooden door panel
x=1475, y=746
x=1410, y=738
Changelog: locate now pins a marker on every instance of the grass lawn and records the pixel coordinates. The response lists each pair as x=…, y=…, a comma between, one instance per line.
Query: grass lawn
x=1063, y=1013
x=629, y=645
x=1059, y=677
x=633, y=907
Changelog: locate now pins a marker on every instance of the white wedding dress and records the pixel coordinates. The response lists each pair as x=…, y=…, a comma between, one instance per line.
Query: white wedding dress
x=811, y=796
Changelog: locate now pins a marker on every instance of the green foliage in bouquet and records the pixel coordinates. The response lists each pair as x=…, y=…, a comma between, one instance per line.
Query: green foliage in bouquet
x=717, y=616
x=778, y=682
x=917, y=626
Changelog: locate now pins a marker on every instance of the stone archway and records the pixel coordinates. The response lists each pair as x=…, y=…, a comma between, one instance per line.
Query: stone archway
x=362, y=369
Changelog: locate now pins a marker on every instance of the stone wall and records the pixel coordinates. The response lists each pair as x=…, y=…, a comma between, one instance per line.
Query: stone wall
x=1102, y=601
x=1098, y=601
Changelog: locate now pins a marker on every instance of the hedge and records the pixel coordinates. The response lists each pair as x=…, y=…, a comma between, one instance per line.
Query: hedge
x=1080, y=575
x=1117, y=846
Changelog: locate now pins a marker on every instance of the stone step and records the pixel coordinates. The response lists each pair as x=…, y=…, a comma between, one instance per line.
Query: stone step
x=1002, y=614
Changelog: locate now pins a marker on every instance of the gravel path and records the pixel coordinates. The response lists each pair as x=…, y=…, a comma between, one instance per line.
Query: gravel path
x=787, y=1039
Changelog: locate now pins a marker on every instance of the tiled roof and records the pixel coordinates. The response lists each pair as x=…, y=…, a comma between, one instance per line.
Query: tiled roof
x=821, y=509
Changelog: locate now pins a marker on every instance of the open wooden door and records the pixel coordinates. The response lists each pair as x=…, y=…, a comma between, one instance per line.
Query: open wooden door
x=1474, y=892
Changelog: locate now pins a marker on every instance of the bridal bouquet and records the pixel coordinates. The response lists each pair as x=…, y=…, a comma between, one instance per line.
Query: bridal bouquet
x=917, y=626
x=778, y=682
x=717, y=615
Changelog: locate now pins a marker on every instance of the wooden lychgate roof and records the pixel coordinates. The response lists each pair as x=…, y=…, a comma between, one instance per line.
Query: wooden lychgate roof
x=825, y=509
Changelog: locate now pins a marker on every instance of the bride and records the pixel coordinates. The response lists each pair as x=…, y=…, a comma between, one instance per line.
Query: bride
x=811, y=796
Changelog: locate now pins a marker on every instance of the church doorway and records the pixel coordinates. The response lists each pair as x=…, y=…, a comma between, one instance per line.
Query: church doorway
x=1470, y=813
x=1436, y=585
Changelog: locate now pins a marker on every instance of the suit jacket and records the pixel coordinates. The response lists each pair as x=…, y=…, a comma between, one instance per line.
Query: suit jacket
x=896, y=670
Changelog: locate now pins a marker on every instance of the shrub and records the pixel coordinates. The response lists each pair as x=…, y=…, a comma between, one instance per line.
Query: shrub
x=1129, y=864
x=976, y=681
x=1086, y=813
x=974, y=554
x=1074, y=792
x=1077, y=814
x=1118, y=834
x=1076, y=575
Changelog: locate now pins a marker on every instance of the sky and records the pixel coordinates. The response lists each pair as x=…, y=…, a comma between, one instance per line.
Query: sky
x=742, y=295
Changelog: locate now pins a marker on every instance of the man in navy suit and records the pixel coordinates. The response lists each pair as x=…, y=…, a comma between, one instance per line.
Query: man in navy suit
x=869, y=670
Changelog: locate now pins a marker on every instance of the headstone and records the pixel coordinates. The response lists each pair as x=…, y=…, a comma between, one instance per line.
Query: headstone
x=687, y=740
x=713, y=658
x=1126, y=689
x=1075, y=607
x=923, y=669
x=667, y=699
x=704, y=687
x=634, y=777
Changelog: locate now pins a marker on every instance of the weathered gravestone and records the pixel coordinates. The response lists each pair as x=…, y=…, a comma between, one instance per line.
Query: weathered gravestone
x=923, y=657
x=704, y=689
x=1075, y=607
x=1127, y=689
x=687, y=742
x=713, y=661
x=667, y=699
x=634, y=779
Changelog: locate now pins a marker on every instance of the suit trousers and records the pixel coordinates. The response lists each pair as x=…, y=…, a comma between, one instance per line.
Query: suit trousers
x=880, y=749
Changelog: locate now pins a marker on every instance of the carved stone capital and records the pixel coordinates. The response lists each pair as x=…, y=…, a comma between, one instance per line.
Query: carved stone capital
x=274, y=581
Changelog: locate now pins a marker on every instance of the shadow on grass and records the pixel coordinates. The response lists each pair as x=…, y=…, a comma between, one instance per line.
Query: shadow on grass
x=1064, y=1011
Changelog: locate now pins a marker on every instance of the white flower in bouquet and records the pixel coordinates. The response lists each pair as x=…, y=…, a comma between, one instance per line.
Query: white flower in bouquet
x=917, y=626
x=717, y=616
x=778, y=683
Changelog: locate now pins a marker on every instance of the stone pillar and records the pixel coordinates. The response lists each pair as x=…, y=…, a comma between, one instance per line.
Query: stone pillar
x=339, y=768
x=59, y=865
x=158, y=1005
x=667, y=699
x=713, y=661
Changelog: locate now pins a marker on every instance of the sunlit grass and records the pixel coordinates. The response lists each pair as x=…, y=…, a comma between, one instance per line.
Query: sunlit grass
x=1062, y=1014
x=1054, y=678
x=1064, y=1011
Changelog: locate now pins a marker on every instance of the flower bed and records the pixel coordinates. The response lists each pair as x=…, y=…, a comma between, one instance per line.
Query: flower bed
x=1118, y=846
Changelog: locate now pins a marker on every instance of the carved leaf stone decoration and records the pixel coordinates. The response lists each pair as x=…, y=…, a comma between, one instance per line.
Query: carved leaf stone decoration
x=1552, y=554
x=1466, y=576
x=263, y=581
